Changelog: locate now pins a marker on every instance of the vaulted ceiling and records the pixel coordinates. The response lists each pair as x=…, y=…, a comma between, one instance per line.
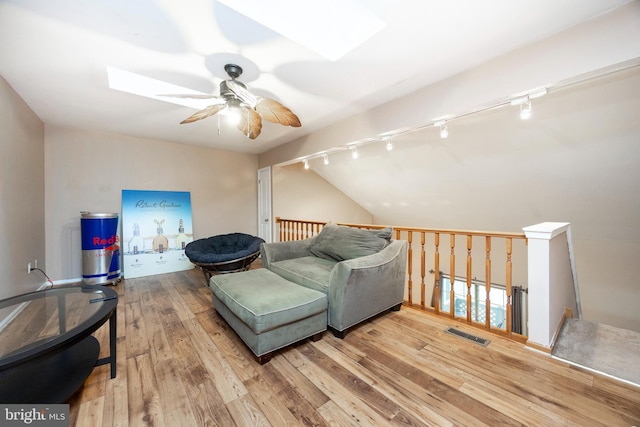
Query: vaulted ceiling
x=56, y=53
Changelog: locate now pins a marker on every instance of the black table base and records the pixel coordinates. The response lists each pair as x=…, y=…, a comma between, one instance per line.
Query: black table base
x=53, y=378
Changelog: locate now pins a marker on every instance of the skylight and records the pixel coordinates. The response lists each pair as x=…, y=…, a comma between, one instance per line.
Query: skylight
x=331, y=28
x=137, y=84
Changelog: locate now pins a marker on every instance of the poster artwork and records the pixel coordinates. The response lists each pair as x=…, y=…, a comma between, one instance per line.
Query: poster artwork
x=156, y=227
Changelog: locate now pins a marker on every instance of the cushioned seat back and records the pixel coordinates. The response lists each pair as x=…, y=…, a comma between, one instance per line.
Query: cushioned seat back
x=223, y=247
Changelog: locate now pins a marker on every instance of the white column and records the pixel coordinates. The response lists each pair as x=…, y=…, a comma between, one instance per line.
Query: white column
x=551, y=280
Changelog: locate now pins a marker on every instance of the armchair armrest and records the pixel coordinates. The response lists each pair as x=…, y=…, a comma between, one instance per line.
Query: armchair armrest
x=362, y=287
x=278, y=251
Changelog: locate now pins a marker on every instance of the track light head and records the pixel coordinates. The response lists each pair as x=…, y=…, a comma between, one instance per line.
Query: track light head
x=389, y=143
x=354, y=152
x=525, y=110
x=306, y=163
x=444, y=130
x=325, y=158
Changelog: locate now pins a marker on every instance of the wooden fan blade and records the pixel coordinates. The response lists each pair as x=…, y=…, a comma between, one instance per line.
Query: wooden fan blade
x=250, y=123
x=203, y=114
x=275, y=112
x=189, y=96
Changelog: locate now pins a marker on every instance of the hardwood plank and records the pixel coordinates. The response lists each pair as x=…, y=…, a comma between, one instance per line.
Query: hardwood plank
x=335, y=416
x=226, y=381
x=236, y=354
x=145, y=406
x=347, y=396
x=245, y=412
x=135, y=332
x=299, y=399
x=173, y=394
x=274, y=409
x=295, y=380
x=91, y=412
x=116, y=402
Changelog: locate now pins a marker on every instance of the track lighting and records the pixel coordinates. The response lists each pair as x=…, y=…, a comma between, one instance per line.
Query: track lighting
x=523, y=101
x=525, y=111
x=525, y=106
x=444, y=130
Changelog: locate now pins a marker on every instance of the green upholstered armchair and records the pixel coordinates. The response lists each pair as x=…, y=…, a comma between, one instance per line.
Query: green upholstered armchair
x=362, y=272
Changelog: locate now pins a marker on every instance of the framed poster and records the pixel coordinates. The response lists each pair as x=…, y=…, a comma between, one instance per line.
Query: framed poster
x=156, y=227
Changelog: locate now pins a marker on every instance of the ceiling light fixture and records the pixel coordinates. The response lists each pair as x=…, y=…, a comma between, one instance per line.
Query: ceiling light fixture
x=525, y=106
x=251, y=108
x=525, y=111
x=442, y=123
x=233, y=112
x=306, y=163
x=444, y=130
x=389, y=143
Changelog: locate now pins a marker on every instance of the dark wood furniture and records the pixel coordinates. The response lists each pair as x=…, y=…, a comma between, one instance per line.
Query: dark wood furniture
x=46, y=347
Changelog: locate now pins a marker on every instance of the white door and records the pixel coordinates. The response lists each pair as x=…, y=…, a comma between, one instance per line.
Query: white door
x=265, y=228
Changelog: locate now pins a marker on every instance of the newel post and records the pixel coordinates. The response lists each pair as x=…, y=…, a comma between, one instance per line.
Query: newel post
x=553, y=290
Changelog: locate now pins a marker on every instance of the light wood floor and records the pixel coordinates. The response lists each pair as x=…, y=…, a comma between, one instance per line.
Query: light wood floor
x=179, y=364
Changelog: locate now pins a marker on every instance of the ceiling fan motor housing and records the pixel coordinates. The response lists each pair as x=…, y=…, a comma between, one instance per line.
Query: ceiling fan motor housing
x=225, y=92
x=233, y=70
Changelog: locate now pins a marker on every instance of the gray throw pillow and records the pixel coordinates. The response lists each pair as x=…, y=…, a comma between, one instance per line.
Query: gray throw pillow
x=384, y=233
x=340, y=243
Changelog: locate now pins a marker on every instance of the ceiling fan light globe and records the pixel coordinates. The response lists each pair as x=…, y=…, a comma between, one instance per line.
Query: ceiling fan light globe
x=233, y=116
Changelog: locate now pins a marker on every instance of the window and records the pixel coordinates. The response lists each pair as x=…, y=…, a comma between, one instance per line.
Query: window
x=497, y=296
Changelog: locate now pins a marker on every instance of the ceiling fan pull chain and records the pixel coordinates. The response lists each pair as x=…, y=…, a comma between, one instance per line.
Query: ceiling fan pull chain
x=218, y=125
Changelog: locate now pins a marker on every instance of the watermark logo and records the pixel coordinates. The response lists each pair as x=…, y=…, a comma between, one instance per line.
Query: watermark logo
x=34, y=415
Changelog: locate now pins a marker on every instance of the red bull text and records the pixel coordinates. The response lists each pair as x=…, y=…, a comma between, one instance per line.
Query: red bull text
x=100, y=248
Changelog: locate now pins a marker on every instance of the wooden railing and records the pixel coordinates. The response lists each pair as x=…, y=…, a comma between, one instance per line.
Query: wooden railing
x=426, y=246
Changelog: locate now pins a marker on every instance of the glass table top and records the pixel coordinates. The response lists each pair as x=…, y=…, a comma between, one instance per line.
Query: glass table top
x=39, y=321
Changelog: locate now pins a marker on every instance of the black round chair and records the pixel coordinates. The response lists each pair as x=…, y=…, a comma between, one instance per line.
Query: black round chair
x=224, y=253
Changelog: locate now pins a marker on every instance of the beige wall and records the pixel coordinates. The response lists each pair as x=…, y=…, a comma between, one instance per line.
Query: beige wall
x=21, y=194
x=87, y=171
x=302, y=194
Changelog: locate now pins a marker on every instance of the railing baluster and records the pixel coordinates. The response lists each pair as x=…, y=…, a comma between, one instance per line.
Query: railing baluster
x=487, y=282
x=422, y=271
x=452, y=275
x=280, y=229
x=508, y=285
x=410, y=265
x=436, y=279
x=469, y=261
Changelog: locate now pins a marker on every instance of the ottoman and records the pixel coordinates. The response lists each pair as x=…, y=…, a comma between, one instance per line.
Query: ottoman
x=268, y=312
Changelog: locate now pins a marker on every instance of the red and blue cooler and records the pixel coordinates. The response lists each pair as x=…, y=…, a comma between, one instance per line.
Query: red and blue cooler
x=100, y=248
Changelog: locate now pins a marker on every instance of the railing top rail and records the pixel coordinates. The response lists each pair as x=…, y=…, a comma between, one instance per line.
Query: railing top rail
x=500, y=234
x=372, y=226
x=464, y=232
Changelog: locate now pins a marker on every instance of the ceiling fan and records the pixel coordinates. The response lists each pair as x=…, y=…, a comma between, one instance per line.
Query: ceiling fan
x=249, y=109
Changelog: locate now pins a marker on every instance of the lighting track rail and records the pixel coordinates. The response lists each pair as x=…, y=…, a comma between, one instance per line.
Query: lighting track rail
x=522, y=99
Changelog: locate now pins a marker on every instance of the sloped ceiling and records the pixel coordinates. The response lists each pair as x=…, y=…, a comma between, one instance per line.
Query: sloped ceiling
x=55, y=54
x=575, y=160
